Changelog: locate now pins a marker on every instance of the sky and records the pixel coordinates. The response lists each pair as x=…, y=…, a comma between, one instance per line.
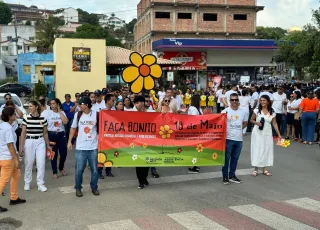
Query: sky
x=282, y=13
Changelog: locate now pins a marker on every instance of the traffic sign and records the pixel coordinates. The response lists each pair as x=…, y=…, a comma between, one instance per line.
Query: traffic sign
x=170, y=76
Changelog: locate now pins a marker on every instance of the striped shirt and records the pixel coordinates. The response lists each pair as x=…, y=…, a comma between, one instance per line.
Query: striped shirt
x=34, y=125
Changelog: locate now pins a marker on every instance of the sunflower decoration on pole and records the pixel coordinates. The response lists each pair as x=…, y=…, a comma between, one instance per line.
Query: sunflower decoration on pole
x=142, y=73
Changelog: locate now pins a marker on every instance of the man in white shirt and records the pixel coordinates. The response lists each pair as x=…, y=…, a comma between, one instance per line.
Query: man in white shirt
x=253, y=104
x=237, y=120
x=279, y=105
x=233, y=90
x=216, y=97
x=87, y=124
x=99, y=103
x=178, y=99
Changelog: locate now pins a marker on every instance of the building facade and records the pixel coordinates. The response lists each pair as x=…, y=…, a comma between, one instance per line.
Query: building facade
x=68, y=15
x=116, y=22
x=219, y=19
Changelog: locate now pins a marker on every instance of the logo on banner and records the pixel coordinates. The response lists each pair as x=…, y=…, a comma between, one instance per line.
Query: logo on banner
x=189, y=60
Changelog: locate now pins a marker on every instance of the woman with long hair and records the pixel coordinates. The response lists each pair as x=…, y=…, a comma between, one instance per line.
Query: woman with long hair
x=187, y=98
x=309, y=107
x=195, y=109
x=34, y=143
x=9, y=162
x=119, y=106
x=294, y=107
x=165, y=106
x=262, y=145
x=57, y=119
x=128, y=105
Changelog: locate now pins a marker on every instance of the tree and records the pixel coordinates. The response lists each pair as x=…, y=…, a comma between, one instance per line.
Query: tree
x=5, y=13
x=47, y=31
x=28, y=23
x=275, y=33
x=130, y=25
x=95, y=32
x=85, y=17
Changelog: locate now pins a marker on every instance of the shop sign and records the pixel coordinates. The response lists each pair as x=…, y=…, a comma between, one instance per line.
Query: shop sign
x=34, y=78
x=81, y=59
x=170, y=76
x=188, y=60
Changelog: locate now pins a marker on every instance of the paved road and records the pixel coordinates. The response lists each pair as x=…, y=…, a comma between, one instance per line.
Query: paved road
x=290, y=199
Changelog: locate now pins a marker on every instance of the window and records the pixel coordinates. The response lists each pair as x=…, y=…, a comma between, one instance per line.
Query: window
x=162, y=14
x=19, y=47
x=9, y=38
x=31, y=38
x=210, y=17
x=4, y=48
x=184, y=16
x=26, y=69
x=242, y=17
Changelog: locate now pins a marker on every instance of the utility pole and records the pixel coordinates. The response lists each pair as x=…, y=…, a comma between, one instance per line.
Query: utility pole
x=16, y=33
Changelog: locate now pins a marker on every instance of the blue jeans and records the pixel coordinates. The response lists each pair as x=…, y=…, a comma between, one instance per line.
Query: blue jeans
x=82, y=157
x=308, y=121
x=233, y=150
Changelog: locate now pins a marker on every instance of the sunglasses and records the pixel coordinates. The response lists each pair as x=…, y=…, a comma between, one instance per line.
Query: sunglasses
x=234, y=100
x=147, y=101
x=77, y=95
x=166, y=100
x=8, y=98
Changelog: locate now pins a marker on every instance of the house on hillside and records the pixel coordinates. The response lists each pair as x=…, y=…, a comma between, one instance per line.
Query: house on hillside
x=116, y=22
x=68, y=15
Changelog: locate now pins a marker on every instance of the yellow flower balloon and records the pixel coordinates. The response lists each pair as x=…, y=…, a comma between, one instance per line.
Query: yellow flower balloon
x=142, y=73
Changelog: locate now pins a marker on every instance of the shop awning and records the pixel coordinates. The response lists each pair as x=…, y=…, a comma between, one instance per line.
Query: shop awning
x=120, y=56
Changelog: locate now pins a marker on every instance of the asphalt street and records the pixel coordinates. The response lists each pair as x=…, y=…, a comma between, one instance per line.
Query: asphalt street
x=290, y=199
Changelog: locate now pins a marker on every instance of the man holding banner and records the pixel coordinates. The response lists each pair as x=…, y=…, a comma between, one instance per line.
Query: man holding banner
x=237, y=120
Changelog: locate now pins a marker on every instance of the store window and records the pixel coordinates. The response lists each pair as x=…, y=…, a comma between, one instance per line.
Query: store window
x=184, y=16
x=26, y=69
x=163, y=15
x=240, y=17
x=210, y=17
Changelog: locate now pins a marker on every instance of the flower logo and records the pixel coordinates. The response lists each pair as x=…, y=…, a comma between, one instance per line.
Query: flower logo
x=142, y=73
x=214, y=156
x=56, y=124
x=179, y=150
x=116, y=154
x=135, y=157
x=165, y=132
x=199, y=148
x=194, y=160
x=145, y=145
x=86, y=130
x=132, y=145
x=102, y=158
x=286, y=144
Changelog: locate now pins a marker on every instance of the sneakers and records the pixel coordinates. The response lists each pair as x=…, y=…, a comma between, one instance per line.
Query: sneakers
x=235, y=179
x=226, y=180
x=155, y=174
x=27, y=187
x=79, y=193
x=194, y=170
x=17, y=201
x=101, y=177
x=3, y=209
x=141, y=186
x=146, y=183
x=95, y=192
x=42, y=188
x=109, y=175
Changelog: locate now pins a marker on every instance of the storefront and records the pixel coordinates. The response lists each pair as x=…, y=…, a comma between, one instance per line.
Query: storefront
x=203, y=59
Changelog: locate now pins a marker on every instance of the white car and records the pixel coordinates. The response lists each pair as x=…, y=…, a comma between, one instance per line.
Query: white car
x=16, y=100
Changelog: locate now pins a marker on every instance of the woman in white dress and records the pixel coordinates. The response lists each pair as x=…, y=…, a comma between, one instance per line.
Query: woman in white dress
x=262, y=145
x=244, y=101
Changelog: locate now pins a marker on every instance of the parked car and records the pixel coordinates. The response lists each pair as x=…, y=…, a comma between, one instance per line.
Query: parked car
x=16, y=100
x=15, y=88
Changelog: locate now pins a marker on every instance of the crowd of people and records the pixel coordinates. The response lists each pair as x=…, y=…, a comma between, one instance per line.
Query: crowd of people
x=51, y=128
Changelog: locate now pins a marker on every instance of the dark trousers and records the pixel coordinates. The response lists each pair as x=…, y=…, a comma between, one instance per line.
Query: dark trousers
x=142, y=174
x=108, y=170
x=60, y=147
x=297, y=129
x=68, y=127
x=233, y=150
x=279, y=123
x=249, y=127
x=218, y=107
x=18, y=133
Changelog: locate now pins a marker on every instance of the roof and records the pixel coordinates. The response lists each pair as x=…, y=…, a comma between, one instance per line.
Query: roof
x=173, y=43
x=120, y=56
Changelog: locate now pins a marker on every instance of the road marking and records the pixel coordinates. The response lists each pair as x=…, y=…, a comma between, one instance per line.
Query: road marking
x=306, y=203
x=115, y=225
x=270, y=218
x=161, y=180
x=195, y=221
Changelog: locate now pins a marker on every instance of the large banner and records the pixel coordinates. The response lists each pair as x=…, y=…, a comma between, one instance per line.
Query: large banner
x=81, y=59
x=189, y=60
x=130, y=139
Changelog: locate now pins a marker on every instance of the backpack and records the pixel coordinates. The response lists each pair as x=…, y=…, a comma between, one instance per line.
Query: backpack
x=79, y=116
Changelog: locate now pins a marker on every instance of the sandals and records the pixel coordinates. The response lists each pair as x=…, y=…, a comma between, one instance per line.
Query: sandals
x=63, y=173
x=254, y=173
x=55, y=176
x=266, y=173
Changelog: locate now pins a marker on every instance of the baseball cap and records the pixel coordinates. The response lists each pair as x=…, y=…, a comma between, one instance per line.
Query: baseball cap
x=97, y=92
x=85, y=101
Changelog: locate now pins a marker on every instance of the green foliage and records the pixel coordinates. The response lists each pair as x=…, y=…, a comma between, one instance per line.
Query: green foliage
x=130, y=25
x=95, y=32
x=47, y=31
x=5, y=13
x=275, y=33
x=28, y=23
x=9, y=80
x=85, y=17
x=40, y=89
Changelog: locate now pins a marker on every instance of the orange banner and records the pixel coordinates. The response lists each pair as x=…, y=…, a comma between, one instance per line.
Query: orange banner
x=130, y=139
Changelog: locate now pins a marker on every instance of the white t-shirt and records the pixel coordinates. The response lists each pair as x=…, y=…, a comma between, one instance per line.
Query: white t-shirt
x=218, y=94
x=55, y=123
x=99, y=106
x=87, y=131
x=161, y=95
x=278, y=99
x=255, y=96
x=179, y=101
x=244, y=101
x=228, y=93
x=235, y=120
x=293, y=104
x=125, y=109
x=220, y=100
x=7, y=135
x=194, y=111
